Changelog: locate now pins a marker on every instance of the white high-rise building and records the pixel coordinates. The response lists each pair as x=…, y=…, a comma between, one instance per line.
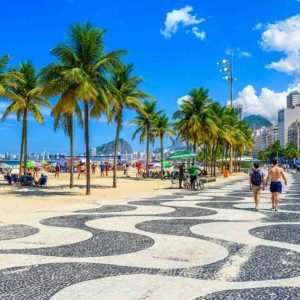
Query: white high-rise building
x=294, y=133
x=293, y=100
x=286, y=117
x=239, y=111
x=265, y=137
x=93, y=151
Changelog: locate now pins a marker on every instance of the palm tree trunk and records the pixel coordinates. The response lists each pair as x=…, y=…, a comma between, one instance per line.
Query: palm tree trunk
x=162, y=157
x=116, y=146
x=188, y=149
x=87, y=147
x=22, y=146
x=147, y=151
x=25, y=139
x=205, y=157
x=212, y=159
x=230, y=159
x=71, y=133
x=222, y=166
x=194, y=147
x=226, y=157
x=215, y=157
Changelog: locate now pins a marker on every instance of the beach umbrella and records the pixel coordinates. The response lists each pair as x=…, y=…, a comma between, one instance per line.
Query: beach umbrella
x=44, y=163
x=33, y=164
x=4, y=165
x=166, y=165
x=183, y=154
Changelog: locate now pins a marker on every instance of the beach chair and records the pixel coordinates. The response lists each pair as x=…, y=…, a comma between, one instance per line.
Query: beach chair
x=42, y=181
x=8, y=179
x=27, y=180
x=15, y=178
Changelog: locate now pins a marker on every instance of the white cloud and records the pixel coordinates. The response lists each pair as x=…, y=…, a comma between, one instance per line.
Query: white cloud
x=181, y=99
x=284, y=36
x=245, y=54
x=258, y=26
x=199, y=34
x=266, y=104
x=182, y=18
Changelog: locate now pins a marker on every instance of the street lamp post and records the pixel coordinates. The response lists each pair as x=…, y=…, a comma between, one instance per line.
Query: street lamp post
x=227, y=68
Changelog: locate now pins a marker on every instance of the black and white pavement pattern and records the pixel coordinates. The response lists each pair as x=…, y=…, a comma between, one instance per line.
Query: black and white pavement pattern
x=178, y=245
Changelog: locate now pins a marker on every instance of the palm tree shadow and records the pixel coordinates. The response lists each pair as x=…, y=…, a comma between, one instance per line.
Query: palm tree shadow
x=49, y=191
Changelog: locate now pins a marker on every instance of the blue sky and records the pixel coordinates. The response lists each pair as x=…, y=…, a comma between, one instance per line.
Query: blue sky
x=171, y=63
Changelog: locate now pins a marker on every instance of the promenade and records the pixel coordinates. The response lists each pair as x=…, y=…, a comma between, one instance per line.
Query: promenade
x=172, y=245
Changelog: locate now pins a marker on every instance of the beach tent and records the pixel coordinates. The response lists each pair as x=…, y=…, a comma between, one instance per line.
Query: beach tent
x=183, y=154
x=243, y=159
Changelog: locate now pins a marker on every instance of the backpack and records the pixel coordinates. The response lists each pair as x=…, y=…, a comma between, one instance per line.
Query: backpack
x=256, y=178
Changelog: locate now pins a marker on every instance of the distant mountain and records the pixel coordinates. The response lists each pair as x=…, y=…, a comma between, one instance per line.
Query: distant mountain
x=108, y=148
x=177, y=145
x=257, y=122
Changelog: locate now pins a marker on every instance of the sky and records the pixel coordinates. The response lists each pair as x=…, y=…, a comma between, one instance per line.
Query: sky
x=175, y=46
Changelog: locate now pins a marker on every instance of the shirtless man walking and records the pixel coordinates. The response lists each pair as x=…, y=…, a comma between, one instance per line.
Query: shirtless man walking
x=275, y=175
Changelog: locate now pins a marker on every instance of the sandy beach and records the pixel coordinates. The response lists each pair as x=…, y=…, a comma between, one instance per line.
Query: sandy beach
x=17, y=203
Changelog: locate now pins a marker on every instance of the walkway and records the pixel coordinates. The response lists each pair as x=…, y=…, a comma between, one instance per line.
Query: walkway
x=180, y=245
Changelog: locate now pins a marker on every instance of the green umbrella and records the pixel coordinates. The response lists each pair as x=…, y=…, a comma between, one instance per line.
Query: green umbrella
x=4, y=166
x=32, y=164
x=182, y=154
x=167, y=164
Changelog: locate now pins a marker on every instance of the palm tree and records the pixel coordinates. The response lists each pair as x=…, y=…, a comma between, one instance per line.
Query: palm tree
x=83, y=66
x=275, y=148
x=223, y=136
x=144, y=122
x=65, y=121
x=162, y=128
x=128, y=96
x=28, y=101
x=195, y=119
x=8, y=79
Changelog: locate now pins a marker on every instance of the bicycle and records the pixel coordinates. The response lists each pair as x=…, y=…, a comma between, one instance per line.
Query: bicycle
x=140, y=174
x=198, y=184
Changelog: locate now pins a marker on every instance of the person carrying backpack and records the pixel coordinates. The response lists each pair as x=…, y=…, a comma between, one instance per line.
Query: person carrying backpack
x=256, y=182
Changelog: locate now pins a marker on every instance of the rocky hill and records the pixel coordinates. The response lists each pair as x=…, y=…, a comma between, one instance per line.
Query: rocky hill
x=257, y=122
x=108, y=148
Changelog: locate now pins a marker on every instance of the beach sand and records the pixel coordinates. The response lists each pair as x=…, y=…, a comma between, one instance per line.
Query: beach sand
x=17, y=204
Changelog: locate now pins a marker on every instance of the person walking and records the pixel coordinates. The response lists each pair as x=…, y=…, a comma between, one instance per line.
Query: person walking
x=106, y=168
x=93, y=168
x=193, y=175
x=57, y=171
x=275, y=175
x=102, y=167
x=181, y=175
x=256, y=183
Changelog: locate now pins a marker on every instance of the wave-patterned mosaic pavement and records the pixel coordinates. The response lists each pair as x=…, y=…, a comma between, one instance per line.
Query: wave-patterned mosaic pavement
x=179, y=245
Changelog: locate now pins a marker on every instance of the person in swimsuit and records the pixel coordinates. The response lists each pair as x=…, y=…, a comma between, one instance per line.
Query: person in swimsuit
x=81, y=170
x=275, y=175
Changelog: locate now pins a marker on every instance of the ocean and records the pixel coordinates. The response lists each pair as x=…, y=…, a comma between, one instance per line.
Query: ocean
x=11, y=162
